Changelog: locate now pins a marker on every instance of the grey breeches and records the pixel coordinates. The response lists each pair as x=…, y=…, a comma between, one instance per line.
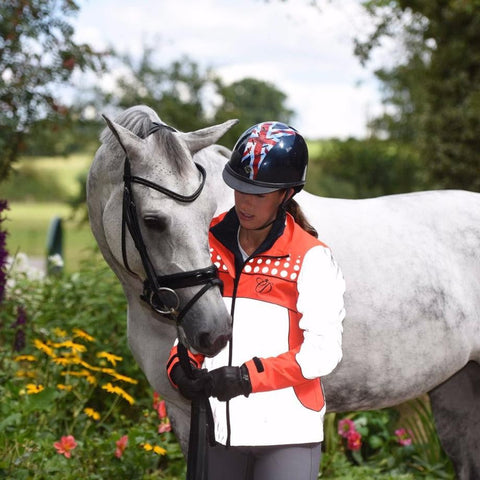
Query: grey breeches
x=279, y=462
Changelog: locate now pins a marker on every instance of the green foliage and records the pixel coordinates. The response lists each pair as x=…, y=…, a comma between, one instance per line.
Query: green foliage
x=46, y=178
x=364, y=168
x=251, y=101
x=66, y=370
x=384, y=445
x=37, y=54
x=175, y=92
x=181, y=95
x=434, y=86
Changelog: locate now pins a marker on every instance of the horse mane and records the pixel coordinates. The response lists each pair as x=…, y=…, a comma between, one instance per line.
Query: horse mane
x=139, y=120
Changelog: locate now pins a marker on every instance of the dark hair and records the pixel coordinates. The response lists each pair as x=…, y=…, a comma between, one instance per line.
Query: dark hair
x=293, y=208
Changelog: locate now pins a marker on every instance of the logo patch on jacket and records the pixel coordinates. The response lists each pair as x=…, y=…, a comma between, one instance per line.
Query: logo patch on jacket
x=264, y=285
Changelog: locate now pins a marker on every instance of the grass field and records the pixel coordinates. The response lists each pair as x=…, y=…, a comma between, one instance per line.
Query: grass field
x=28, y=225
x=37, y=192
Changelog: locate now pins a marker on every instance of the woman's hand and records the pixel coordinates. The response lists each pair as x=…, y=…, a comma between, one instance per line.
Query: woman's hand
x=229, y=382
x=199, y=384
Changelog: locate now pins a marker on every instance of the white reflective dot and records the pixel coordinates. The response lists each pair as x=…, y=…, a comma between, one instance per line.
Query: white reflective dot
x=259, y=261
x=265, y=270
x=296, y=268
x=219, y=257
x=256, y=269
x=293, y=276
x=274, y=271
x=248, y=268
x=286, y=265
x=277, y=263
x=283, y=273
x=217, y=264
x=224, y=267
x=251, y=260
x=268, y=261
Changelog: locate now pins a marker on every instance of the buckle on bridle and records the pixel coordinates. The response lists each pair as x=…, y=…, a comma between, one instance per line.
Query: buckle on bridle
x=162, y=305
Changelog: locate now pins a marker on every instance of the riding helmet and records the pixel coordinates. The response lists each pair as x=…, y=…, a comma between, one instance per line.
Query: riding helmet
x=268, y=156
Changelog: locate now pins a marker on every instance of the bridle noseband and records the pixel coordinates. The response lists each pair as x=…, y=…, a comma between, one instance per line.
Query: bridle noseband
x=160, y=291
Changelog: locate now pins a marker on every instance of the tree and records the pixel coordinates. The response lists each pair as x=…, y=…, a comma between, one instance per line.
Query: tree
x=180, y=93
x=435, y=88
x=37, y=56
x=251, y=101
x=175, y=92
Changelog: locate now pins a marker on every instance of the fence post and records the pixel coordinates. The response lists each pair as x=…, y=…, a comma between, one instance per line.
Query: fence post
x=55, y=247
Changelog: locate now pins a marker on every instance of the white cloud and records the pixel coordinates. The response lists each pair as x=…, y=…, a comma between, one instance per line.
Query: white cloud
x=305, y=52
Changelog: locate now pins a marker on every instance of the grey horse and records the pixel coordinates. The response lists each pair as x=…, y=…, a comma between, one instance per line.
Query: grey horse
x=411, y=264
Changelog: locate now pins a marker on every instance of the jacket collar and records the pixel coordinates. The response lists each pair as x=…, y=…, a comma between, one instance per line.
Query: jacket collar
x=276, y=243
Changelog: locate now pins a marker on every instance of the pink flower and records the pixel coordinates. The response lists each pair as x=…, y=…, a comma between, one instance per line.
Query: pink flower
x=121, y=446
x=345, y=426
x=403, y=437
x=162, y=409
x=65, y=445
x=164, y=427
x=354, y=440
x=156, y=400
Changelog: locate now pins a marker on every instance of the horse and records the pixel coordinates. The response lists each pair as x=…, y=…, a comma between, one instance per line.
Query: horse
x=411, y=263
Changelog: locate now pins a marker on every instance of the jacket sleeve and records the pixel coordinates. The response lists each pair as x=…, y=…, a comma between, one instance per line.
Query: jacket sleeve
x=196, y=360
x=320, y=301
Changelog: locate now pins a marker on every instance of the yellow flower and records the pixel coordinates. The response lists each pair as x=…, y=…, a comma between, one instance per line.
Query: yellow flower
x=25, y=374
x=91, y=379
x=61, y=386
x=156, y=449
x=81, y=334
x=109, y=388
x=159, y=450
x=90, y=412
x=33, y=389
x=24, y=358
x=113, y=359
x=123, y=378
x=75, y=347
x=119, y=391
x=62, y=361
x=60, y=333
x=43, y=347
x=81, y=373
x=90, y=367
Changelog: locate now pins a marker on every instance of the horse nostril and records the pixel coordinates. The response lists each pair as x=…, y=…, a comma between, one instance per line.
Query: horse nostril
x=205, y=342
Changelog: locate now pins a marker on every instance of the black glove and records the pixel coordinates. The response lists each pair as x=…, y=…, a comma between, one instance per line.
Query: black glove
x=191, y=388
x=229, y=382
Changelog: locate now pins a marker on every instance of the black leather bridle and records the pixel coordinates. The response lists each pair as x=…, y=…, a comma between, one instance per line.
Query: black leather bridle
x=160, y=291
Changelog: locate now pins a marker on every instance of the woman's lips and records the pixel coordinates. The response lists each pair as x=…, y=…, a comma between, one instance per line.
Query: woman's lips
x=245, y=216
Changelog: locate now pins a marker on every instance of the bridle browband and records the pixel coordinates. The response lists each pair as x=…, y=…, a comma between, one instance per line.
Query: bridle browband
x=160, y=291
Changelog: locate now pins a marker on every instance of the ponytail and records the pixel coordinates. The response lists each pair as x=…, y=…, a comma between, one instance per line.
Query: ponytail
x=293, y=208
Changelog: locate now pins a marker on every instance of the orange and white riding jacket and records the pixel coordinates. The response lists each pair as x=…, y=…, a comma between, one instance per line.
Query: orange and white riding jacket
x=286, y=302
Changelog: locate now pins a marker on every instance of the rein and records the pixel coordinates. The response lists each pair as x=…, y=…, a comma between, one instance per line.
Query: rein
x=160, y=291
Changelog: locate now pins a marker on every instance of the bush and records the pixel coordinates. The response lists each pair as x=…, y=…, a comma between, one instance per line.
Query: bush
x=73, y=398
x=364, y=168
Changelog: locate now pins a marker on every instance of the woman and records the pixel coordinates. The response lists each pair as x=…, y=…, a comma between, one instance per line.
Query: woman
x=285, y=294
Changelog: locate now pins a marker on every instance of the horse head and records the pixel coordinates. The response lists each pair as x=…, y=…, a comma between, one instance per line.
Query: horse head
x=150, y=215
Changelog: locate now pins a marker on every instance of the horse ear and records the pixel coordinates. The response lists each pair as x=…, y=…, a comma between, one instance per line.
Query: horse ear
x=206, y=136
x=125, y=137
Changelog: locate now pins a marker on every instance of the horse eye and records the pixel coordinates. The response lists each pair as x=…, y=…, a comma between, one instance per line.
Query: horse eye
x=155, y=223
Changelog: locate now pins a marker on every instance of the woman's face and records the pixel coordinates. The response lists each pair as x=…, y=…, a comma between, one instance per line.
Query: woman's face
x=255, y=211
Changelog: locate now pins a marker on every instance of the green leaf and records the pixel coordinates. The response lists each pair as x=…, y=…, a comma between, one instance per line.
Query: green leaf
x=42, y=401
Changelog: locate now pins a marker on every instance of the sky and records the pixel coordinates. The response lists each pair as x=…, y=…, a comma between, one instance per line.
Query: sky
x=304, y=51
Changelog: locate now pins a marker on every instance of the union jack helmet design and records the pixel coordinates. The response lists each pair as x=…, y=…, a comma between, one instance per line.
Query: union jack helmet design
x=268, y=156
